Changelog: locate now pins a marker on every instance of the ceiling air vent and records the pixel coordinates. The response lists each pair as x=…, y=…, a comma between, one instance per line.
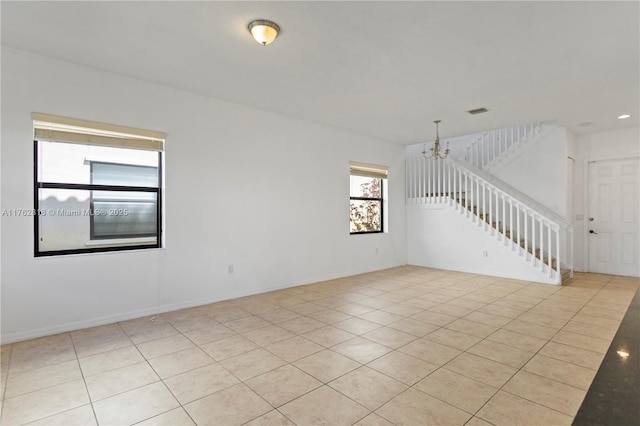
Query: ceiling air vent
x=477, y=111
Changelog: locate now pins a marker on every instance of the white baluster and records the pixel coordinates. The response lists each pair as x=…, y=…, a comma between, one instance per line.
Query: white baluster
x=532, y=238
x=557, y=249
x=432, y=164
x=423, y=180
x=491, y=210
x=526, y=231
x=426, y=180
x=472, y=200
x=518, y=228
x=414, y=180
x=418, y=180
x=510, y=219
x=505, y=219
x=467, y=194
x=439, y=180
x=460, y=188
x=453, y=186
x=478, y=203
x=448, y=174
x=549, y=253
x=541, y=245
x=407, y=173
x=484, y=206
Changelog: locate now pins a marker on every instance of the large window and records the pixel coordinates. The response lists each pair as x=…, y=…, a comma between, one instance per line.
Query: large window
x=96, y=187
x=367, y=198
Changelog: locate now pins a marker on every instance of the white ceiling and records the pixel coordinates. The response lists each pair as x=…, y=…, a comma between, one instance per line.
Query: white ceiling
x=384, y=69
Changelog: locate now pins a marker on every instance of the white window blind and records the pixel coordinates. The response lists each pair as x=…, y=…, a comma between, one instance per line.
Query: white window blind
x=70, y=130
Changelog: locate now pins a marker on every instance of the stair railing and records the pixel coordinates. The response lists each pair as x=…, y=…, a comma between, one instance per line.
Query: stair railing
x=495, y=143
x=535, y=235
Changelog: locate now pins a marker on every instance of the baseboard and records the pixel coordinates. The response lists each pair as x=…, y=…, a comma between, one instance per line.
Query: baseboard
x=489, y=273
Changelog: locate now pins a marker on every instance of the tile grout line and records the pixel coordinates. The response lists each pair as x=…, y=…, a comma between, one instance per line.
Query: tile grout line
x=4, y=385
x=405, y=286
x=537, y=353
x=84, y=380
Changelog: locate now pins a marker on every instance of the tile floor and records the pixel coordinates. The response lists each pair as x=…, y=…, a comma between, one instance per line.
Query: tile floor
x=403, y=346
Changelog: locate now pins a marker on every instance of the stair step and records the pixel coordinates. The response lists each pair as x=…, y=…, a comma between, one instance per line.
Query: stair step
x=537, y=254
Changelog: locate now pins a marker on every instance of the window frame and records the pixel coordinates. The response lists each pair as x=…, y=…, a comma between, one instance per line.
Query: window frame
x=50, y=128
x=93, y=187
x=374, y=172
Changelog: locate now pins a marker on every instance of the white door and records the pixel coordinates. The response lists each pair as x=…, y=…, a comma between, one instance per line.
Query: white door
x=614, y=222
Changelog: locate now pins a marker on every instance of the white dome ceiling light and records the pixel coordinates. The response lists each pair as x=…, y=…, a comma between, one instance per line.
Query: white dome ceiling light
x=264, y=31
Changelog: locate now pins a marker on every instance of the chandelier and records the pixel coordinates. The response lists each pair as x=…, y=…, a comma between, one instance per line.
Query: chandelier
x=435, y=151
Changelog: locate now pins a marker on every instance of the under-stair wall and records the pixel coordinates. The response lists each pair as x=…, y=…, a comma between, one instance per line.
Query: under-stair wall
x=538, y=239
x=440, y=238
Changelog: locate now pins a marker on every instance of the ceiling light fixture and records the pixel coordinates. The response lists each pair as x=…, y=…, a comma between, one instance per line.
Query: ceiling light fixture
x=264, y=31
x=623, y=116
x=435, y=151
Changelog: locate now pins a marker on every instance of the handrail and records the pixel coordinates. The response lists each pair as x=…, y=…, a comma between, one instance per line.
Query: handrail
x=539, y=236
x=493, y=144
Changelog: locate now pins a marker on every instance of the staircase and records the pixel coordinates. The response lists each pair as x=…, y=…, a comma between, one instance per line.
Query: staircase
x=532, y=233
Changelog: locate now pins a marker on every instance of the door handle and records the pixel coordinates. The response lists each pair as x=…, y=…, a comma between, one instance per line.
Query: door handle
x=591, y=231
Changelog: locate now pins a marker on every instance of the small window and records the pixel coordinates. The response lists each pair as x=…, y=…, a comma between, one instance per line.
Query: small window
x=97, y=187
x=367, y=198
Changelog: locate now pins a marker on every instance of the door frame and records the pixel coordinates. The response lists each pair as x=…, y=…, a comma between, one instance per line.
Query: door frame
x=586, y=202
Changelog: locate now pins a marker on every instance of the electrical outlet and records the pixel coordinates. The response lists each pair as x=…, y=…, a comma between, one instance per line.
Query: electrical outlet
x=230, y=269
x=485, y=253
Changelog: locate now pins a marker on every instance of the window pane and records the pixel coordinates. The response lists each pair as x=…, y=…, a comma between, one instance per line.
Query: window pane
x=365, y=187
x=123, y=174
x=366, y=216
x=62, y=223
x=124, y=215
x=71, y=163
x=66, y=216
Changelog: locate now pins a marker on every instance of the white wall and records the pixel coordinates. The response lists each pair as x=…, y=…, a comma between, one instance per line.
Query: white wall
x=265, y=193
x=540, y=172
x=617, y=144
